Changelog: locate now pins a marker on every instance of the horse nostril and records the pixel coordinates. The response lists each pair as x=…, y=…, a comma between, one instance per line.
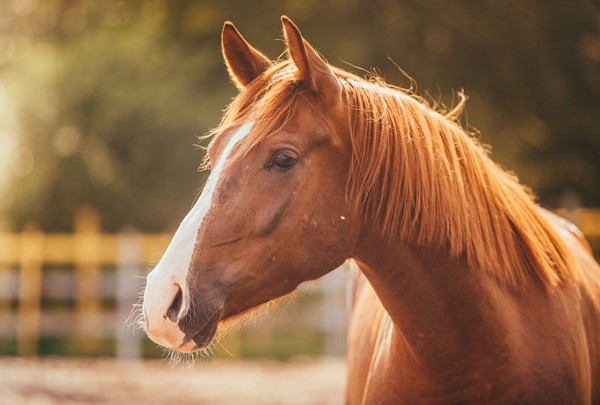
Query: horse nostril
x=175, y=307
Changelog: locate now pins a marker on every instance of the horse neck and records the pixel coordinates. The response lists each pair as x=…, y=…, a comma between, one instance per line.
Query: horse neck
x=445, y=312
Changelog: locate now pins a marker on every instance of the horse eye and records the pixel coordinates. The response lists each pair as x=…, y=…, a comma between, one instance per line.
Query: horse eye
x=283, y=160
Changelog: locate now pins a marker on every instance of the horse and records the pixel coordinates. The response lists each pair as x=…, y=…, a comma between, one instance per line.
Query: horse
x=469, y=291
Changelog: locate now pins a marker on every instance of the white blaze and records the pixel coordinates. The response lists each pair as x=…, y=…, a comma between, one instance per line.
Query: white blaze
x=174, y=265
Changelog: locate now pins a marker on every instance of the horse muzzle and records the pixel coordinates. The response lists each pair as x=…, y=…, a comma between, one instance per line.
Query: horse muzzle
x=172, y=321
x=164, y=304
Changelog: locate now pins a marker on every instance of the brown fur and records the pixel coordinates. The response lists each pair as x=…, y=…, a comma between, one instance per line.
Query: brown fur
x=421, y=177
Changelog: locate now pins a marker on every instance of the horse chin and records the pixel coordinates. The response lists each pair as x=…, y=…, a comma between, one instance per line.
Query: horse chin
x=203, y=337
x=223, y=321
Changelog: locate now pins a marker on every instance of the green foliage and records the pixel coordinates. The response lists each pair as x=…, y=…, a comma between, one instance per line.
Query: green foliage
x=108, y=97
x=111, y=116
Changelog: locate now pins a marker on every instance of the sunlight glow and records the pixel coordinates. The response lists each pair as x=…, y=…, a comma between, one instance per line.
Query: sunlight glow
x=8, y=140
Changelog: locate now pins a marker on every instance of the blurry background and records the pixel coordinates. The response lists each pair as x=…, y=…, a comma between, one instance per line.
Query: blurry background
x=101, y=103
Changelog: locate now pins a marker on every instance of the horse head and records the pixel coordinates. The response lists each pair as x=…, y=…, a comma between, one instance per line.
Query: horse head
x=273, y=212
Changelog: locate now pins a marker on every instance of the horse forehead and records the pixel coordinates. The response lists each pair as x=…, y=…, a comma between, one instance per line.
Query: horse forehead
x=310, y=114
x=308, y=127
x=320, y=123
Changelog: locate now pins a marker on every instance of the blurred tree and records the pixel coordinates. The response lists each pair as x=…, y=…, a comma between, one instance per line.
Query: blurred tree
x=110, y=115
x=109, y=95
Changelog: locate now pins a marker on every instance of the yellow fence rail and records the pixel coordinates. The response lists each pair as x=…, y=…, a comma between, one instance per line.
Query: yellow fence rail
x=85, y=246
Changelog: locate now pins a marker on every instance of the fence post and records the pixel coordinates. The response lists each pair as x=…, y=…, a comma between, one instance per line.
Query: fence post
x=31, y=245
x=87, y=273
x=129, y=285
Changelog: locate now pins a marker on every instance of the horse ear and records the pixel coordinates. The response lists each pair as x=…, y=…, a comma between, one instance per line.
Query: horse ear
x=244, y=63
x=312, y=68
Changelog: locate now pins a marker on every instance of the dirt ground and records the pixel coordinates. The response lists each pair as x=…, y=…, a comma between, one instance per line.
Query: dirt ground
x=107, y=381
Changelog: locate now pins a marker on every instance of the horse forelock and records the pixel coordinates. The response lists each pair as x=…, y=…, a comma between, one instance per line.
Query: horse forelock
x=269, y=101
x=420, y=177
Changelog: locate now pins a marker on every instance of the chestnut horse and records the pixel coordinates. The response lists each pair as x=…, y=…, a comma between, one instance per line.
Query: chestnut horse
x=472, y=293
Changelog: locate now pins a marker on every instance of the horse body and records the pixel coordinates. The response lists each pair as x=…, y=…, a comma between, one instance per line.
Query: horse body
x=441, y=333
x=471, y=293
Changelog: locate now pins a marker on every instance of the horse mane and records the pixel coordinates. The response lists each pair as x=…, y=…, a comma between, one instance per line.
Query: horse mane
x=417, y=175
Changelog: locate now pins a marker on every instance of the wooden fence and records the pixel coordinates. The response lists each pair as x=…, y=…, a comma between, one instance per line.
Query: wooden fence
x=86, y=254
x=87, y=250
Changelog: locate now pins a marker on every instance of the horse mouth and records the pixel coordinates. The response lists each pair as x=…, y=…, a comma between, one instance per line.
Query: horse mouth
x=203, y=337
